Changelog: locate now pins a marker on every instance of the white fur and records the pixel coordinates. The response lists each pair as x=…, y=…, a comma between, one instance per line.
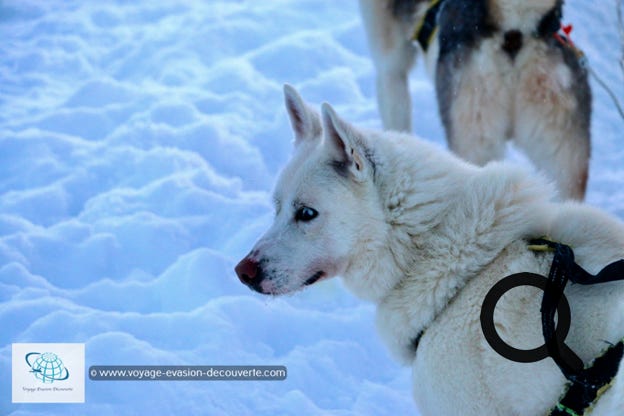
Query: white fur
x=424, y=236
x=521, y=15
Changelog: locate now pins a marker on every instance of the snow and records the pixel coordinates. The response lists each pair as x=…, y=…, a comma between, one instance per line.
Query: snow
x=139, y=142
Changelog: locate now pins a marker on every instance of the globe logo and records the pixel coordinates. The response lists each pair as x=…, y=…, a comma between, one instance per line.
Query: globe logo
x=47, y=367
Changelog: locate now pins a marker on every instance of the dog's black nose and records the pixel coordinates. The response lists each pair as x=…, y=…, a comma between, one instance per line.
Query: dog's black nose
x=247, y=270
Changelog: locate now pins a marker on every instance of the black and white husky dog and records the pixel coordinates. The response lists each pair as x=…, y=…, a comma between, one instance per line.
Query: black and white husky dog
x=503, y=71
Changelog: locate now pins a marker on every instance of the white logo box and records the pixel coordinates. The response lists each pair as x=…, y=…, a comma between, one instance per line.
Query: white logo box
x=48, y=373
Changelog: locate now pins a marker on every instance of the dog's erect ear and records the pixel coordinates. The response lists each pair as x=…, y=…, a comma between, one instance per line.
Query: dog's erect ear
x=345, y=143
x=305, y=122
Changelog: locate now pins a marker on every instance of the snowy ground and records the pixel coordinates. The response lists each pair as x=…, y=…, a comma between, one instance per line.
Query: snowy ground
x=138, y=146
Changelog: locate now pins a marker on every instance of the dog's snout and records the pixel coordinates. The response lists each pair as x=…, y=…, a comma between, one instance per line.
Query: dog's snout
x=247, y=270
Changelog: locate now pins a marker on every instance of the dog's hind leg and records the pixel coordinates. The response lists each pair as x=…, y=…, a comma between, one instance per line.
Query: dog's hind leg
x=563, y=155
x=474, y=106
x=552, y=123
x=393, y=55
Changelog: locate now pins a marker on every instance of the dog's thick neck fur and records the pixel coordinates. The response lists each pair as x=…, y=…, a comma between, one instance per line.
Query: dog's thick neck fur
x=431, y=223
x=428, y=259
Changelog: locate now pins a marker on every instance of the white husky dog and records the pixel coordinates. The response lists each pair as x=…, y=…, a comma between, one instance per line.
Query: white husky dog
x=425, y=235
x=502, y=71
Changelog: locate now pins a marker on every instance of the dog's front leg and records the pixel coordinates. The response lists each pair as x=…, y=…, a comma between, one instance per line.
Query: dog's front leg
x=393, y=55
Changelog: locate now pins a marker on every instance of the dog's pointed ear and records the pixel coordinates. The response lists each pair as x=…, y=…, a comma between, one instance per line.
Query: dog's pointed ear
x=345, y=144
x=305, y=122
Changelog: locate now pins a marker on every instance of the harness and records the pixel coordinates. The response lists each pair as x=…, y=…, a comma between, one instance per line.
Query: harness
x=585, y=385
x=428, y=24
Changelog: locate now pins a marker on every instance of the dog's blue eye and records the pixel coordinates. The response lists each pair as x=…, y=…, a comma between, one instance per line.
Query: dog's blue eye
x=305, y=214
